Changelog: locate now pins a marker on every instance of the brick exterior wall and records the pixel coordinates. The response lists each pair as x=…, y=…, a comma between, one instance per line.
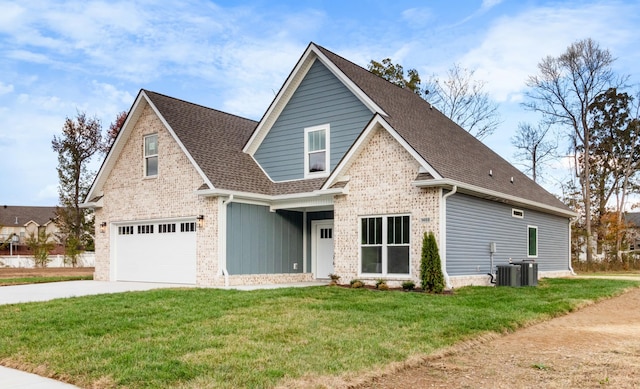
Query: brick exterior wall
x=380, y=184
x=129, y=196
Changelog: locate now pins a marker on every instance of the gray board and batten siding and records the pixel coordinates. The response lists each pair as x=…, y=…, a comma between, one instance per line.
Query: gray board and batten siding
x=263, y=242
x=320, y=99
x=473, y=223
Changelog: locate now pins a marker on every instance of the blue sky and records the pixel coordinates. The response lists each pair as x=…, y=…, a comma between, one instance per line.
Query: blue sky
x=60, y=57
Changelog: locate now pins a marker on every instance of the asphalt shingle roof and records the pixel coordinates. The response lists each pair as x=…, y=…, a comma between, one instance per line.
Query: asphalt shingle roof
x=215, y=140
x=24, y=214
x=632, y=218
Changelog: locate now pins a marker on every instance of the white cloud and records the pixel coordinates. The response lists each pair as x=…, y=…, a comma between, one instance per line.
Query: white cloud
x=418, y=17
x=514, y=46
x=5, y=88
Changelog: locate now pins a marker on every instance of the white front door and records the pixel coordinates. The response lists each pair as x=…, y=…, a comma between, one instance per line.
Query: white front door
x=322, y=248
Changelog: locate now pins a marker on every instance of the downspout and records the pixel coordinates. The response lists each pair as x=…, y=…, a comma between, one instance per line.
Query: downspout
x=222, y=230
x=571, y=221
x=443, y=231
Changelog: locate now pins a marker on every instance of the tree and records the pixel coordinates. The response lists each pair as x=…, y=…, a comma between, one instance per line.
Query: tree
x=114, y=130
x=563, y=91
x=533, y=147
x=463, y=99
x=395, y=75
x=431, y=276
x=41, y=245
x=80, y=141
x=616, y=151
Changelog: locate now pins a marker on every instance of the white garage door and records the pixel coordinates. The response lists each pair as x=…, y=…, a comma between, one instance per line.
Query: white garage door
x=160, y=251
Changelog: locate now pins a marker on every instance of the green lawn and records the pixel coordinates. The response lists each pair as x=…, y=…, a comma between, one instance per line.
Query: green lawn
x=40, y=280
x=208, y=338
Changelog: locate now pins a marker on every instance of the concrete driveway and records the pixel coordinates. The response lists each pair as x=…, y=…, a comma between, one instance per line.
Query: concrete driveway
x=54, y=290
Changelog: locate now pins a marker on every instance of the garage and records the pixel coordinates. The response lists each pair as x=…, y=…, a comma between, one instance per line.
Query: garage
x=156, y=251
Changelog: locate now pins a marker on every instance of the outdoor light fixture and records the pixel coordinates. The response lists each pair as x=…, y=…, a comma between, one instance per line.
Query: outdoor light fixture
x=103, y=227
x=200, y=221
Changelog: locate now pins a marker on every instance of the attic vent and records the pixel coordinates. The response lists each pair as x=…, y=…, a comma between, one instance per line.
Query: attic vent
x=517, y=213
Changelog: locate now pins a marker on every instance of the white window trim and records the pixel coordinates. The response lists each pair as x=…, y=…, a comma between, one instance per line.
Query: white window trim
x=514, y=213
x=537, y=241
x=384, y=246
x=307, y=173
x=145, y=156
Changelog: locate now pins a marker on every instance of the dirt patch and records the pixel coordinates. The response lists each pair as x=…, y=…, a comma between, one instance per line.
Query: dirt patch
x=596, y=347
x=22, y=272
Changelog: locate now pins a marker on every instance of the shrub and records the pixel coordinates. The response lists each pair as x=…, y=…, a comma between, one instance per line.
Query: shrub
x=334, y=279
x=356, y=283
x=382, y=285
x=408, y=285
x=431, y=275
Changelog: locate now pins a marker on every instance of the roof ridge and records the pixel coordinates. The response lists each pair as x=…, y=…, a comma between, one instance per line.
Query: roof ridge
x=197, y=105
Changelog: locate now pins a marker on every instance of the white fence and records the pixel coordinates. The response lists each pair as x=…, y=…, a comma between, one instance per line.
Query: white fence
x=86, y=259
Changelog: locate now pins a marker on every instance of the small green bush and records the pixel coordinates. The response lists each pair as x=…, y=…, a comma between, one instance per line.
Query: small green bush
x=408, y=285
x=431, y=275
x=382, y=284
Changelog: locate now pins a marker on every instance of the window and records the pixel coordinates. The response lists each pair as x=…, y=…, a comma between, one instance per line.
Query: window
x=316, y=151
x=532, y=241
x=517, y=213
x=385, y=245
x=166, y=228
x=145, y=229
x=151, y=155
x=125, y=230
x=187, y=227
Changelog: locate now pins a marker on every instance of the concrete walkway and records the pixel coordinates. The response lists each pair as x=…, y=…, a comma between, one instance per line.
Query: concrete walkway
x=11, y=378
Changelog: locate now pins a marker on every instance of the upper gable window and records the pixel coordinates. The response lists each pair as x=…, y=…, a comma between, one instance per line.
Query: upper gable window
x=151, y=155
x=316, y=151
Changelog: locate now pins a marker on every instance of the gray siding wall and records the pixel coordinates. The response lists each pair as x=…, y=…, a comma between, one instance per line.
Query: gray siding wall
x=472, y=223
x=263, y=242
x=320, y=99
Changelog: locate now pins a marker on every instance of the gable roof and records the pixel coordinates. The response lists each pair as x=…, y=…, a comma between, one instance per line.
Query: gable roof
x=632, y=218
x=14, y=216
x=455, y=154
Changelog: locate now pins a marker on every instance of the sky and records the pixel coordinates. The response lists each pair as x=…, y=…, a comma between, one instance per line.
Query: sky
x=58, y=58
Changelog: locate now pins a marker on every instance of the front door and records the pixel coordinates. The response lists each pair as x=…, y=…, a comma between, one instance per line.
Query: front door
x=322, y=248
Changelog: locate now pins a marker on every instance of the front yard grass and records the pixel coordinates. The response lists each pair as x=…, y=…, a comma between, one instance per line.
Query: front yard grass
x=209, y=338
x=40, y=280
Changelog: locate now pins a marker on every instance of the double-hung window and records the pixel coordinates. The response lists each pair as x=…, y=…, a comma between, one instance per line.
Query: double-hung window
x=532, y=241
x=151, y=155
x=384, y=245
x=316, y=151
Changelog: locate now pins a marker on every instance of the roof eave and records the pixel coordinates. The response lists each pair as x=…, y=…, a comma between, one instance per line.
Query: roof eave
x=494, y=195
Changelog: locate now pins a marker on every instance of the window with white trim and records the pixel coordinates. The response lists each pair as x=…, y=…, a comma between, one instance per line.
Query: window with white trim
x=316, y=151
x=151, y=155
x=532, y=241
x=385, y=245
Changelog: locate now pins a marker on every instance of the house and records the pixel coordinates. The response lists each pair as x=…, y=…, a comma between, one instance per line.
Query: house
x=632, y=220
x=343, y=174
x=17, y=223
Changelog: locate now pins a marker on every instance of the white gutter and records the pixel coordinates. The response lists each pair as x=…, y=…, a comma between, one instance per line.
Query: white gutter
x=571, y=221
x=222, y=240
x=443, y=235
x=491, y=193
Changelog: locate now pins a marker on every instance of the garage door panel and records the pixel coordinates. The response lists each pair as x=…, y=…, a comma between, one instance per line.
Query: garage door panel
x=149, y=255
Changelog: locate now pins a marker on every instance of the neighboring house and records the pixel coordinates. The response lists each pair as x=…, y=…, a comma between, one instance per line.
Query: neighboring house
x=19, y=222
x=343, y=174
x=632, y=219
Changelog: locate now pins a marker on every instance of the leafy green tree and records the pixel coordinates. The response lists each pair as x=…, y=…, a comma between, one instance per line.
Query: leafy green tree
x=80, y=141
x=41, y=245
x=394, y=73
x=563, y=90
x=431, y=276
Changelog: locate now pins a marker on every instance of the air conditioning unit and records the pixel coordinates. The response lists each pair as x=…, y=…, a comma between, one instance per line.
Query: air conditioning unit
x=528, y=273
x=509, y=275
